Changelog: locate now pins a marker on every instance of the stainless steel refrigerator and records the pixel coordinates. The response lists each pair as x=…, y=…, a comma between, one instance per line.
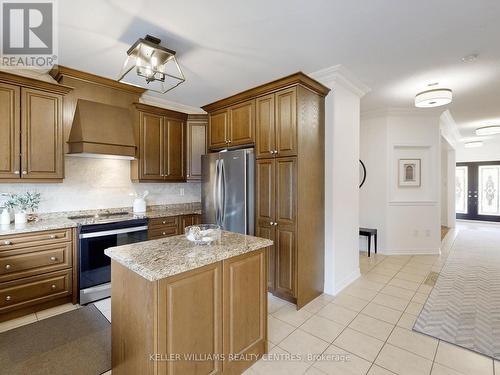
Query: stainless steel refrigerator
x=227, y=190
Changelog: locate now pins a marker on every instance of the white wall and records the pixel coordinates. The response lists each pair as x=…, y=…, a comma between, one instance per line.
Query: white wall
x=408, y=218
x=102, y=183
x=489, y=152
x=373, y=193
x=342, y=120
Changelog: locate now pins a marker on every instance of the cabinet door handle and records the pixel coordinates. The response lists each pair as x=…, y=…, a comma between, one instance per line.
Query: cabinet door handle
x=52, y=236
x=271, y=223
x=7, y=266
x=53, y=286
x=16, y=172
x=53, y=259
x=8, y=298
x=275, y=224
x=164, y=222
x=24, y=172
x=7, y=242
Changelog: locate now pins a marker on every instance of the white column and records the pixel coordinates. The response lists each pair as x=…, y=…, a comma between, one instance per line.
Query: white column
x=342, y=116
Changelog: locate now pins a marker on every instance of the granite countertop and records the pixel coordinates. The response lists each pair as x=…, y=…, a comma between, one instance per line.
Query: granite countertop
x=61, y=220
x=158, y=259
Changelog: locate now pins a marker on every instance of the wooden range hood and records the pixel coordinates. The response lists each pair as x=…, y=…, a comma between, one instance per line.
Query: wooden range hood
x=101, y=129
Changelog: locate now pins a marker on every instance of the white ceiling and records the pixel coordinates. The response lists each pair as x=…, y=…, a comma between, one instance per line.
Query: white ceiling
x=396, y=47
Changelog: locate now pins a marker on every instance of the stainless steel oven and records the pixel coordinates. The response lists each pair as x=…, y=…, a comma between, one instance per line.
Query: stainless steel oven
x=94, y=266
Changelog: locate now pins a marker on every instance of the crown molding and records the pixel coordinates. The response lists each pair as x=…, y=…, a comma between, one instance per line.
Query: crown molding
x=340, y=75
x=168, y=104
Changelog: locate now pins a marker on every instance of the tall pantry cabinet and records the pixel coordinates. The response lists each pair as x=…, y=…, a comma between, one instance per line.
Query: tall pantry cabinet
x=289, y=149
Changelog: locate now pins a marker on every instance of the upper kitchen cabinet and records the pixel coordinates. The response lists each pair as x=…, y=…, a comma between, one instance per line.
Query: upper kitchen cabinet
x=161, y=145
x=289, y=189
x=196, y=145
x=232, y=126
x=31, y=129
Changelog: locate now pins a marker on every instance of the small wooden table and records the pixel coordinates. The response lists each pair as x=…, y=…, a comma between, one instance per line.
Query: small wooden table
x=369, y=232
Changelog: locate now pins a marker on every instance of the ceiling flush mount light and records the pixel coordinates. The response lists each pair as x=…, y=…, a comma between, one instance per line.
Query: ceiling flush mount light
x=488, y=130
x=473, y=144
x=433, y=98
x=151, y=66
x=470, y=58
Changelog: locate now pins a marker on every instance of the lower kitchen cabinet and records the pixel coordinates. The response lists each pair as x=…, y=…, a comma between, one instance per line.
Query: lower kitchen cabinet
x=156, y=330
x=36, y=271
x=171, y=226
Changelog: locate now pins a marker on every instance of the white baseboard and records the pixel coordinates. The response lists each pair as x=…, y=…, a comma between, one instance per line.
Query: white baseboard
x=345, y=282
x=433, y=251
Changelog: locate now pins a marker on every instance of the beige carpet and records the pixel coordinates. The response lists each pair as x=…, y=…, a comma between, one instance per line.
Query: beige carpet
x=464, y=306
x=77, y=343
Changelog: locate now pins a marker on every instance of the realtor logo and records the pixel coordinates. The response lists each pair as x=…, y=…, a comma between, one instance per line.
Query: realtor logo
x=28, y=34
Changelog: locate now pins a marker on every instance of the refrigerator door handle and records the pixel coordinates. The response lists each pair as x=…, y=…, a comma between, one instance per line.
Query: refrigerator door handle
x=223, y=192
x=216, y=192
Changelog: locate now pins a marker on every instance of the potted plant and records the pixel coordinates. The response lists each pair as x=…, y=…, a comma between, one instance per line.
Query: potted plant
x=7, y=207
x=25, y=203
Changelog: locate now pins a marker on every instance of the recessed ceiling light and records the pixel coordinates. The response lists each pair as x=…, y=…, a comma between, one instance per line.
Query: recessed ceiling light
x=473, y=144
x=488, y=130
x=433, y=98
x=470, y=58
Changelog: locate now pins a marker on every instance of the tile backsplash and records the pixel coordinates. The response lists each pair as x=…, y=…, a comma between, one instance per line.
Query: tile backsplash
x=102, y=183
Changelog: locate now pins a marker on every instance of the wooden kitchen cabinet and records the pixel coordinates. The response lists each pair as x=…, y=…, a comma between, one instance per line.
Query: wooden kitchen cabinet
x=196, y=145
x=187, y=220
x=151, y=146
x=174, y=149
x=276, y=125
x=10, y=162
x=289, y=196
x=37, y=271
x=158, y=318
x=218, y=123
x=276, y=220
x=244, y=310
x=41, y=134
x=31, y=130
x=233, y=126
x=161, y=141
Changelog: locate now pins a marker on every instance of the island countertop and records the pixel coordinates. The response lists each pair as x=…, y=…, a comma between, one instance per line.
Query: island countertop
x=158, y=259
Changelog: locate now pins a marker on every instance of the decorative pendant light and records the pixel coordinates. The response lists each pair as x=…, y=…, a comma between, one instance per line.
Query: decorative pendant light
x=433, y=98
x=151, y=66
x=488, y=130
x=473, y=144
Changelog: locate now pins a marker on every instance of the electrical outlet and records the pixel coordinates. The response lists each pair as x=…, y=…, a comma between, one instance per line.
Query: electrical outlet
x=181, y=192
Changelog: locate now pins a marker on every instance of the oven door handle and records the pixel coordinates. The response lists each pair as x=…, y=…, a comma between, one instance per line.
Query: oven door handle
x=112, y=232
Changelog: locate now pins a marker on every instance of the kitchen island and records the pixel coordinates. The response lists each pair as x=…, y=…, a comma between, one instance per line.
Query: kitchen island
x=182, y=308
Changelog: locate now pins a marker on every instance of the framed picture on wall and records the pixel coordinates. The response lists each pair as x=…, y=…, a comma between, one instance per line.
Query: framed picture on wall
x=409, y=172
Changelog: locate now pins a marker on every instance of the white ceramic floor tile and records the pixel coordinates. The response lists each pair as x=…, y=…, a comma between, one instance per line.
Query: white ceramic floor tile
x=323, y=328
x=463, y=360
x=358, y=343
x=377, y=370
x=402, y=362
x=383, y=313
x=278, y=363
x=350, y=302
x=372, y=327
x=390, y=301
x=289, y=314
x=424, y=346
x=275, y=303
x=277, y=329
x=340, y=362
x=337, y=313
x=438, y=369
x=407, y=321
x=304, y=344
